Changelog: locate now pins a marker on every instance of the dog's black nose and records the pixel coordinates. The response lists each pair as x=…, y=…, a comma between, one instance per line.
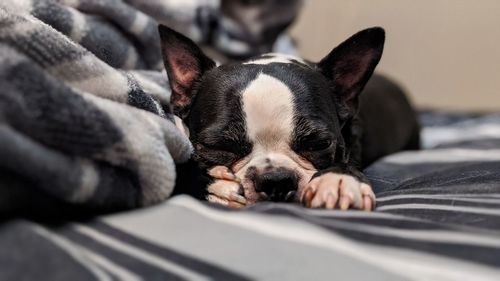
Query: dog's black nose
x=278, y=185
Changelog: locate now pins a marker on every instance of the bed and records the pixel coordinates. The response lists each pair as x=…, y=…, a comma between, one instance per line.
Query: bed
x=71, y=115
x=437, y=218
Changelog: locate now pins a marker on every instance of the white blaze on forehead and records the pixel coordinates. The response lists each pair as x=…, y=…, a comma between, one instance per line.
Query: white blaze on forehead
x=275, y=58
x=268, y=109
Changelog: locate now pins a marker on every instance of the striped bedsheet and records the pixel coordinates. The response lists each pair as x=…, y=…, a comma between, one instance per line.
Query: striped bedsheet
x=437, y=218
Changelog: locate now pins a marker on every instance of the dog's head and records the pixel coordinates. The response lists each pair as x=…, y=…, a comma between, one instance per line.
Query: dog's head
x=274, y=120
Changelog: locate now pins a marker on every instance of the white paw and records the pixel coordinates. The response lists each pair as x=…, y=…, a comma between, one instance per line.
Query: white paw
x=226, y=189
x=333, y=190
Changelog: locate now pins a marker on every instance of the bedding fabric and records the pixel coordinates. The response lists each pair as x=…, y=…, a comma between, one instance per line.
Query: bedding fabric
x=84, y=115
x=437, y=218
x=85, y=122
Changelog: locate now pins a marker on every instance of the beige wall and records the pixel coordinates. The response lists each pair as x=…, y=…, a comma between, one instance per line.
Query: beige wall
x=445, y=52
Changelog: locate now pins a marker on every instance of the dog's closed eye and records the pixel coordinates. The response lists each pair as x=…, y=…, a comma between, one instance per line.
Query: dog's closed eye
x=223, y=152
x=220, y=145
x=314, y=143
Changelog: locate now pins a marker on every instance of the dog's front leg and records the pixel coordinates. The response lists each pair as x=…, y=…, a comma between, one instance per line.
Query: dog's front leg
x=339, y=187
x=226, y=188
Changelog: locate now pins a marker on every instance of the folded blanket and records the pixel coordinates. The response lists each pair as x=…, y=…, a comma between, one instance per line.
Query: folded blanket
x=85, y=120
x=79, y=123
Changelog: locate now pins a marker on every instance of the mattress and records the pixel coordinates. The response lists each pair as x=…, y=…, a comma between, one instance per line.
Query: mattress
x=437, y=218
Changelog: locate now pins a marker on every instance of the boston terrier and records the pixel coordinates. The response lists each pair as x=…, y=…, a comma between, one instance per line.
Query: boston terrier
x=280, y=128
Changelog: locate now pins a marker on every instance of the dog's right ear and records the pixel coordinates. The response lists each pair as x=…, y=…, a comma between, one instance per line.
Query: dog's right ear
x=185, y=63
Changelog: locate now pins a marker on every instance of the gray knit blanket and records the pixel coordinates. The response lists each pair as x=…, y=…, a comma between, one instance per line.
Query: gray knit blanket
x=84, y=107
x=85, y=120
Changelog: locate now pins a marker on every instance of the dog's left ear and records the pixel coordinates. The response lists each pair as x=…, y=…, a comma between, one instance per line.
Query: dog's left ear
x=185, y=63
x=351, y=64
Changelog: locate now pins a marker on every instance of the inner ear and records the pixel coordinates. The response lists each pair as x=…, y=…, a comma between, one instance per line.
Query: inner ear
x=351, y=64
x=185, y=63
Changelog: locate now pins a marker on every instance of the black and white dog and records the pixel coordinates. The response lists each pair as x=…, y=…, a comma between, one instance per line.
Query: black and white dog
x=280, y=128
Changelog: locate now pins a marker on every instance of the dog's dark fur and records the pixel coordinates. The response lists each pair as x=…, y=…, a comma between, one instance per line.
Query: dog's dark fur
x=335, y=129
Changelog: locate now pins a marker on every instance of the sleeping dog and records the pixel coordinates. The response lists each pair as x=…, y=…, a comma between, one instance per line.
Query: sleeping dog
x=279, y=128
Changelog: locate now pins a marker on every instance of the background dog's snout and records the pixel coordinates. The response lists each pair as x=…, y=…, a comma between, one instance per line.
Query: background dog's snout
x=277, y=184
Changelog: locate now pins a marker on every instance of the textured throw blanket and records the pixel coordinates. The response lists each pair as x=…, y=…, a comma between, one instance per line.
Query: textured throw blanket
x=84, y=113
x=85, y=121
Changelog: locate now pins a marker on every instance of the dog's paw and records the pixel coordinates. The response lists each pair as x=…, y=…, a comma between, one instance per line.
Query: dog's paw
x=226, y=189
x=222, y=173
x=332, y=190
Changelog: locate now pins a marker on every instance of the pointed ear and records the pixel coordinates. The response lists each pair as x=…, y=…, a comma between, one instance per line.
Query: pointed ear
x=185, y=63
x=351, y=64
